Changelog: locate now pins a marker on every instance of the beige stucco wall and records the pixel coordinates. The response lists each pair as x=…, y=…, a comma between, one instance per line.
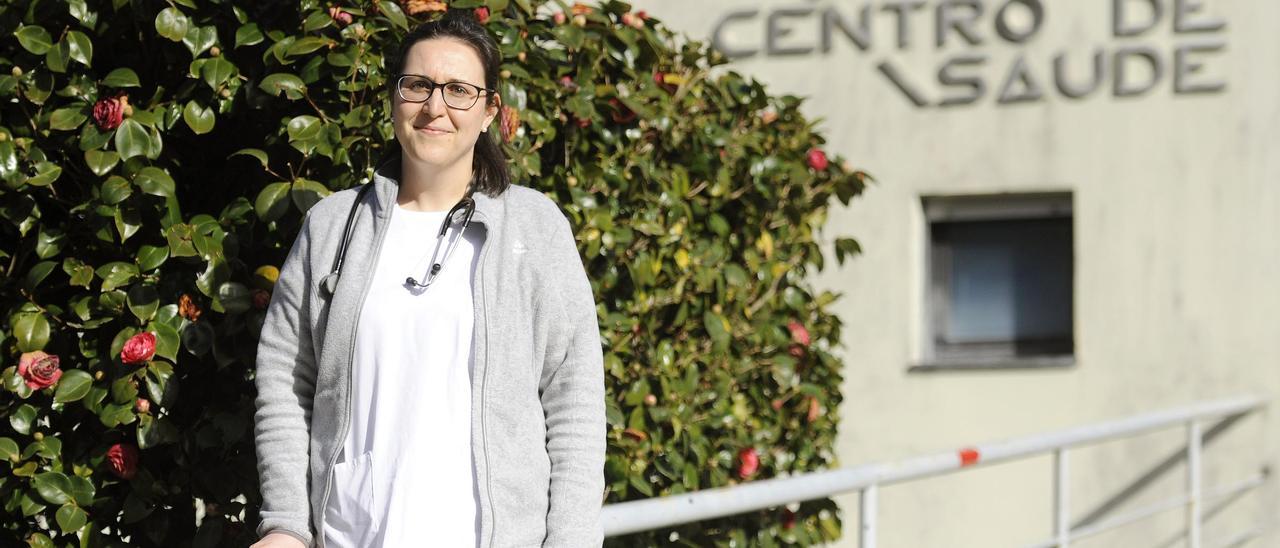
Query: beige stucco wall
x=1177, y=203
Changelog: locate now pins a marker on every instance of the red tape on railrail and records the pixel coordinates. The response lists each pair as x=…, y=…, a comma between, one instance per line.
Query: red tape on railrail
x=969, y=456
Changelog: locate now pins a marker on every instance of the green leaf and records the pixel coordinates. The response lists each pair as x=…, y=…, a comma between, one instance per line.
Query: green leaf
x=304, y=128
x=82, y=490
x=172, y=24
x=46, y=174
x=81, y=276
x=34, y=39
x=155, y=181
x=91, y=137
x=69, y=118
x=180, y=238
x=123, y=390
x=160, y=384
x=216, y=71
x=132, y=139
x=121, y=78
x=58, y=56
x=155, y=144
x=248, y=35
x=306, y=193
x=30, y=508
x=73, y=385
x=271, y=203
x=199, y=39
x=290, y=84
x=199, y=119
x=23, y=418
x=71, y=518
x=53, y=487
x=32, y=331
x=155, y=431
x=8, y=450
x=846, y=247
x=143, y=301
x=115, y=189
x=116, y=274
x=306, y=45
x=213, y=276
x=717, y=327
x=37, y=274
x=150, y=257
x=81, y=47
x=101, y=161
x=256, y=153
x=395, y=14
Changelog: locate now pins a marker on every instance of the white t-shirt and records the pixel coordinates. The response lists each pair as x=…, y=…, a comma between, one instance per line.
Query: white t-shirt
x=406, y=473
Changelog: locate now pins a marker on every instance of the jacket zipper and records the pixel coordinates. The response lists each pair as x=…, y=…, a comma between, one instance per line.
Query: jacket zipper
x=351, y=356
x=484, y=381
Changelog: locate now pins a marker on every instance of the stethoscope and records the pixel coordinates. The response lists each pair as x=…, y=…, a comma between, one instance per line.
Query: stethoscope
x=466, y=207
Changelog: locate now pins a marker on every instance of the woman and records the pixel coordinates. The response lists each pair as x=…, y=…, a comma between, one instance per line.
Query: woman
x=464, y=405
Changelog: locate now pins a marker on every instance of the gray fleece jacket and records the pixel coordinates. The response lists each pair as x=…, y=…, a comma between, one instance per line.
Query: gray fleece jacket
x=537, y=418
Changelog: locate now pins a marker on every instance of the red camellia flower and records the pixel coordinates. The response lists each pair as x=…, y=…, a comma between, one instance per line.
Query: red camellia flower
x=621, y=114
x=108, y=112
x=39, y=370
x=122, y=458
x=748, y=462
x=799, y=334
x=261, y=299
x=482, y=15
x=139, y=348
x=817, y=159
x=788, y=519
x=340, y=17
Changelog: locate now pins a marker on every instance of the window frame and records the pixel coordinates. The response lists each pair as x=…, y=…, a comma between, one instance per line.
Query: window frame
x=937, y=280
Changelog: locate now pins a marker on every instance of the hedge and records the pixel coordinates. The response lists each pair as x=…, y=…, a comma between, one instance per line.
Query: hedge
x=157, y=159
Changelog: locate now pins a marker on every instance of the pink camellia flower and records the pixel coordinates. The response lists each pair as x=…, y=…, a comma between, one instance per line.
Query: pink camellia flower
x=799, y=334
x=340, y=17
x=108, y=112
x=634, y=20
x=39, y=370
x=748, y=462
x=139, y=348
x=122, y=459
x=559, y=17
x=482, y=15
x=817, y=159
x=143, y=405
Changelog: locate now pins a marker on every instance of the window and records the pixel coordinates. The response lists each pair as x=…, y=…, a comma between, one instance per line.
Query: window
x=1000, y=281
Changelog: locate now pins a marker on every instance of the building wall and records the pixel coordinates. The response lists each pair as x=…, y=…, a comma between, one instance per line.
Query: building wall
x=1176, y=206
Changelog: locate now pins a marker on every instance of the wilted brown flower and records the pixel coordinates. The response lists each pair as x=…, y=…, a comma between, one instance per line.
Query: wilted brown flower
x=510, y=122
x=187, y=308
x=415, y=7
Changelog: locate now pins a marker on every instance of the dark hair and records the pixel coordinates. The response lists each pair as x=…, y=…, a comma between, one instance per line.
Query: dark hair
x=489, y=161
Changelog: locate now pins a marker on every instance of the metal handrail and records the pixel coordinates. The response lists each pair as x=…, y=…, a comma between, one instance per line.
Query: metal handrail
x=643, y=515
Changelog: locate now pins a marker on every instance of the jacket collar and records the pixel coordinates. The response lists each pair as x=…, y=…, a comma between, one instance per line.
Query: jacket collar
x=386, y=186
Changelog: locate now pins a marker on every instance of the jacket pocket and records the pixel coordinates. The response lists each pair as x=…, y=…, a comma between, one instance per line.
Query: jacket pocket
x=349, y=518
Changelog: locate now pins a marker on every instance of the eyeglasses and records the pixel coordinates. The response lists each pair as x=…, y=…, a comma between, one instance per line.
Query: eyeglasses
x=457, y=95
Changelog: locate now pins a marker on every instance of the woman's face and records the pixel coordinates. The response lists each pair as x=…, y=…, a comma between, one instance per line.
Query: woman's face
x=431, y=133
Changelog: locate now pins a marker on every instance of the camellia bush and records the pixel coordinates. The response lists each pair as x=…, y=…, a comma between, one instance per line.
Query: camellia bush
x=156, y=159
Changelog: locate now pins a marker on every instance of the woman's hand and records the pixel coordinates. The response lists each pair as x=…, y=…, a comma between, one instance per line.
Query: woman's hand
x=278, y=540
